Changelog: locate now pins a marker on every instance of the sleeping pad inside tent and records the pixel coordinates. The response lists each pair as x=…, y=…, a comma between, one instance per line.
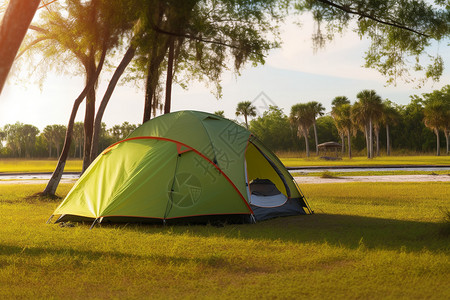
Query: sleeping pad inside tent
x=188, y=166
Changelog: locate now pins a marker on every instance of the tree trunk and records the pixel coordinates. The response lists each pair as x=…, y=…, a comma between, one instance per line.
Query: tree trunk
x=305, y=135
x=438, y=145
x=342, y=143
x=58, y=149
x=246, y=123
x=370, y=138
x=349, y=141
x=14, y=26
x=388, y=141
x=169, y=78
x=366, y=135
x=53, y=183
x=446, y=133
x=315, y=137
x=112, y=84
x=377, y=138
x=89, y=116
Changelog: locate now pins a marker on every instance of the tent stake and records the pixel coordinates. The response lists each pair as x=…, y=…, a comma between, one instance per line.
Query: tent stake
x=49, y=219
x=93, y=223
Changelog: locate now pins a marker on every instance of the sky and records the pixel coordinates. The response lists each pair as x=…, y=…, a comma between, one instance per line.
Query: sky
x=291, y=74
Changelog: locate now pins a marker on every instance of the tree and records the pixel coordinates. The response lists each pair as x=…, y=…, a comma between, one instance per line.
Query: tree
x=342, y=115
x=78, y=137
x=220, y=113
x=437, y=112
x=389, y=116
x=317, y=109
x=80, y=32
x=246, y=109
x=120, y=132
x=273, y=129
x=399, y=31
x=21, y=138
x=13, y=28
x=301, y=118
x=199, y=37
x=367, y=110
x=54, y=135
x=335, y=104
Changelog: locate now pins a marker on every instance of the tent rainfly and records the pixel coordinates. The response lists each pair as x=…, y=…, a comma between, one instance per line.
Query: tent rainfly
x=185, y=166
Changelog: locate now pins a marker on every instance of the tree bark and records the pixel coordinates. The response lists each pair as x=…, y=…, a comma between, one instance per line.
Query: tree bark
x=112, y=84
x=14, y=26
x=349, y=141
x=169, y=77
x=342, y=142
x=388, y=141
x=89, y=115
x=305, y=135
x=366, y=135
x=370, y=138
x=315, y=137
x=377, y=139
x=53, y=183
x=446, y=138
x=438, y=144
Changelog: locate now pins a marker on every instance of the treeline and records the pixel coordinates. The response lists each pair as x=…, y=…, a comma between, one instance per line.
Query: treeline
x=370, y=124
x=27, y=141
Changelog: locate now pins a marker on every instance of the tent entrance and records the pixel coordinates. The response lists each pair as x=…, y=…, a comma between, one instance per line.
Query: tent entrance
x=260, y=167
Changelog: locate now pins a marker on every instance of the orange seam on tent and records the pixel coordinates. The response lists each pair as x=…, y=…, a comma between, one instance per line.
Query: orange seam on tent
x=196, y=151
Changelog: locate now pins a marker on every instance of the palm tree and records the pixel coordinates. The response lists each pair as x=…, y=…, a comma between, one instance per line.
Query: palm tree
x=390, y=116
x=368, y=109
x=316, y=110
x=246, y=109
x=343, y=120
x=335, y=104
x=301, y=117
x=436, y=115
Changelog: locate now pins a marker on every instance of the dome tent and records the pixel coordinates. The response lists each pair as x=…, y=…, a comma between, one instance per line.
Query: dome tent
x=186, y=165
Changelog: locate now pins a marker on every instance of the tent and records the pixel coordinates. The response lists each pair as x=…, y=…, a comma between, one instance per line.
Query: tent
x=189, y=166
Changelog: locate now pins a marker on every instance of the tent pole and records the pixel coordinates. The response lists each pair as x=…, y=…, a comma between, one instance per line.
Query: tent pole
x=252, y=218
x=93, y=223
x=49, y=219
x=304, y=198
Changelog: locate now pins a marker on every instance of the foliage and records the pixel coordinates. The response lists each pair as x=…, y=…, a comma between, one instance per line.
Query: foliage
x=400, y=32
x=273, y=129
x=20, y=138
x=246, y=109
x=220, y=113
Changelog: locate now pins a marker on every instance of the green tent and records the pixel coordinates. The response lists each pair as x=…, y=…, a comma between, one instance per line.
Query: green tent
x=186, y=165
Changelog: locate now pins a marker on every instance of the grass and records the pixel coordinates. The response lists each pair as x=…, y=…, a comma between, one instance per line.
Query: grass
x=75, y=165
x=363, y=161
x=366, y=240
x=371, y=173
x=37, y=165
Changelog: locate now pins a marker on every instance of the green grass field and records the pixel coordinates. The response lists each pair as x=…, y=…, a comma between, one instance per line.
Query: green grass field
x=37, y=165
x=366, y=241
x=363, y=161
x=75, y=165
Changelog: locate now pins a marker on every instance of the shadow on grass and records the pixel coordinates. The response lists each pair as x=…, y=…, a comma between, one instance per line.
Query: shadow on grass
x=75, y=255
x=339, y=230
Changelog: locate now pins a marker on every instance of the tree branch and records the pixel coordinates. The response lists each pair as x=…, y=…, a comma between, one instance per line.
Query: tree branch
x=363, y=14
x=197, y=38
